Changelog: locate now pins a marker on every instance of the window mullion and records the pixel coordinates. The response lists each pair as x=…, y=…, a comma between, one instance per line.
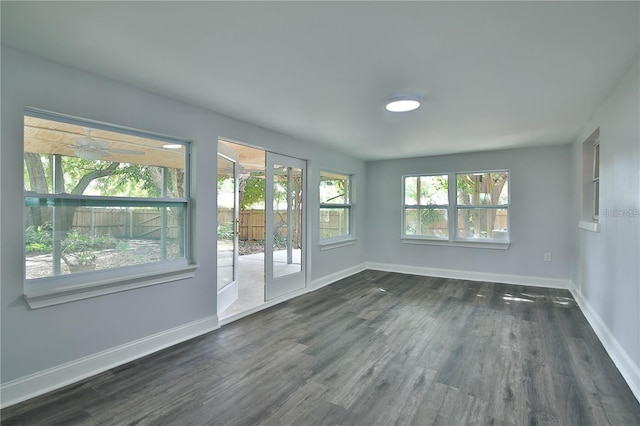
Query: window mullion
x=452, y=210
x=57, y=225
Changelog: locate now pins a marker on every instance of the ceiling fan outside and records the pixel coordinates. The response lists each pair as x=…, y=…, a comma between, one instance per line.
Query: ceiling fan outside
x=89, y=148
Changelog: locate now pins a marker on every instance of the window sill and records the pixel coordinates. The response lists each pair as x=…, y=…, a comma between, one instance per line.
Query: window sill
x=494, y=245
x=62, y=289
x=588, y=225
x=333, y=243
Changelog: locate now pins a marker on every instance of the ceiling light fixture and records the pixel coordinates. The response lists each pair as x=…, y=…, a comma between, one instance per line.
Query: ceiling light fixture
x=403, y=104
x=172, y=146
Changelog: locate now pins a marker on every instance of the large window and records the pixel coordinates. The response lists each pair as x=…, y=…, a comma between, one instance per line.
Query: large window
x=335, y=205
x=471, y=206
x=101, y=198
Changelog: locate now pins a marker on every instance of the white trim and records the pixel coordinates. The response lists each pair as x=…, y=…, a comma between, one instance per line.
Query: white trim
x=589, y=225
x=629, y=370
x=54, y=378
x=227, y=296
x=39, y=295
x=337, y=276
x=342, y=242
x=315, y=285
x=265, y=305
x=479, y=244
x=472, y=276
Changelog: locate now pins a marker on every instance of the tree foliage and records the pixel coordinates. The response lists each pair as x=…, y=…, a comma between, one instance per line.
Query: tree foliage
x=251, y=191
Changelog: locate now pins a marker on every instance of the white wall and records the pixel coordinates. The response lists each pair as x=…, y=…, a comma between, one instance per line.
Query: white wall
x=606, y=265
x=539, y=211
x=37, y=340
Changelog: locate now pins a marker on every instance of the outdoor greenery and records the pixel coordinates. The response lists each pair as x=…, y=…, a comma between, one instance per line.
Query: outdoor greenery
x=252, y=191
x=225, y=231
x=80, y=248
x=38, y=238
x=427, y=200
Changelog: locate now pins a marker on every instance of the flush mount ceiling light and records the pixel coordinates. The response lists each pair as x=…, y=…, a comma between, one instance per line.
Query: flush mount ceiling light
x=172, y=146
x=403, y=104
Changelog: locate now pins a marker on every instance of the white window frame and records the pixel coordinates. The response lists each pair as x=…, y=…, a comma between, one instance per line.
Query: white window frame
x=452, y=214
x=595, y=176
x=341, y=240
x=53, y=290
x=483, y=207
x=419, y=206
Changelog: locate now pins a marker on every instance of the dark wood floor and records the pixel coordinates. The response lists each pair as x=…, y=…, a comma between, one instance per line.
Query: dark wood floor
x=374, y=349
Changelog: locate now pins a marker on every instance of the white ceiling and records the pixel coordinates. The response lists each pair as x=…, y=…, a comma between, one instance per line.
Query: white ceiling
x=492, y=74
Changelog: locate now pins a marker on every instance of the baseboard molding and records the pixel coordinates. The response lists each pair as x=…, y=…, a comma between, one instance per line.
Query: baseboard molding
x=45, y=381
x=618, y=355
x=337, y=276
x=315, y=285
x=472, y=276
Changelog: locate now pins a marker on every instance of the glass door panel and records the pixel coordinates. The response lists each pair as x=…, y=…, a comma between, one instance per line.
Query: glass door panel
x=227, y=216
x=285, y=221
x=287, y=212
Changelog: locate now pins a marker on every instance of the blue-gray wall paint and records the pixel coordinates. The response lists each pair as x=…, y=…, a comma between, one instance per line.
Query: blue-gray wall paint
x=35, y=340
x=539, y=211
x=606, y=265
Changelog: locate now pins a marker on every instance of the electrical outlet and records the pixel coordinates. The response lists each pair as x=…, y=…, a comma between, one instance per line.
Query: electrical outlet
x=547, y=257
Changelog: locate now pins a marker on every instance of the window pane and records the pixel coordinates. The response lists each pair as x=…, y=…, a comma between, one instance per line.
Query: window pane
x=411, y=223
x=483, y=188
x=596, y=199
x=226, y=221
x=334, y=188
x=596, y=161
x=491, y=224
x=334, y=222
x=434, y=190
x=67, y=158
x=410, y=190
x=95, y=238
x=434, y=223
x=426, y=222
x=287, y=216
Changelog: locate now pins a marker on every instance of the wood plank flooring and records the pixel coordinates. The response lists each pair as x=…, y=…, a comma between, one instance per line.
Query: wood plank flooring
x=373, y=349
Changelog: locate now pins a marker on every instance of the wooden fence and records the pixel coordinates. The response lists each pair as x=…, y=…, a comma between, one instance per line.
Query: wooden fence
x=252, y=222
x=122, y=223
x=147, y=223
x=441, y=227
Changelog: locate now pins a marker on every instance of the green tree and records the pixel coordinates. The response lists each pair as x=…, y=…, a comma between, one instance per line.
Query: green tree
x=469, y=187
x=251, y=189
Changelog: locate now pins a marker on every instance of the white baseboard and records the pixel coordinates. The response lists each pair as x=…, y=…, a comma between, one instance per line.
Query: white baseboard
x=472, y=276
x=618, y=355
x=227, y=296
x=337, y=276
x=315, y=285
x=45, y=381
